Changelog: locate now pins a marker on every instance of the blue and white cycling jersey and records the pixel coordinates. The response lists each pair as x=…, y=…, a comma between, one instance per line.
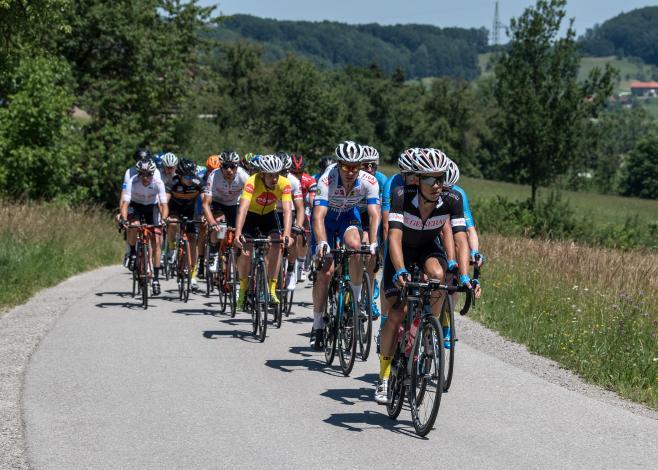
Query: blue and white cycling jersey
x=393, y=182
x=381, y=182
x=332, y=194
x=467, y=208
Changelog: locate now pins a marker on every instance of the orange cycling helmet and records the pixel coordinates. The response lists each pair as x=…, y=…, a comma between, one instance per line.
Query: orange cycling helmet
x=213, y=163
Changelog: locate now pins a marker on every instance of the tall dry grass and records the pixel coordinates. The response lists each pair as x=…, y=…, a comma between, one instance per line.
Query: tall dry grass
x=593, y=310
x=42, y=244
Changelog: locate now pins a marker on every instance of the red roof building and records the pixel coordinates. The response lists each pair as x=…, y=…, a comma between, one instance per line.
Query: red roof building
x=644, y=88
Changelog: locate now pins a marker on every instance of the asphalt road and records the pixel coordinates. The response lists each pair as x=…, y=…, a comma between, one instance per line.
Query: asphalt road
x=114, y=386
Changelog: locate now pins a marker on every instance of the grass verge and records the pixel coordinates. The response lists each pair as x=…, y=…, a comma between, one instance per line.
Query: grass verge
x=592, y=310
x=43, y=244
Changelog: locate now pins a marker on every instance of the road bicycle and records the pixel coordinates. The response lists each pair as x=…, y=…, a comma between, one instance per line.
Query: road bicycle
x=284, y=294
x=364, y=332
x=143, y=272
x=227, y=279
x=341, y=312
x=418, y=366
x=183, y=267
x=257, y=297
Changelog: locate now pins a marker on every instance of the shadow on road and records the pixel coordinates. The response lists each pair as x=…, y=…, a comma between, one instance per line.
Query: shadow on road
x=128, y=305
x=236, y=321
x=292, y=365
x=370, y=420
x=195, y=311
x=243, y=335
x=349, y=396
x=123, y=295
x=298, y=320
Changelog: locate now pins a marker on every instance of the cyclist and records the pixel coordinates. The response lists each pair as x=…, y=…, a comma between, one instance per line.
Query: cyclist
x=144, y=197
x=169, y=164
x=309, y=187
x=369, y=165
x=417, y=216
x=297, y=216
x=257, y=215
x=222, y=196
x=212, y=163
x=182, y=194
x=247, y=164
x=340, y=190
x=325, y=162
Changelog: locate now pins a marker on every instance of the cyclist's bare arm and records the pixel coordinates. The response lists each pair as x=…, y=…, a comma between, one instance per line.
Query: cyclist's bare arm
x=164, y=210
x=240, y=218
x=473, y=239
x=373, y=214
x=319, y=213
x=123, y=209
x=395, y=248
x=385, y=224
x=205, y=204
x=299, y=212
x=448, y=241
x=287, y=219
x=463, y=253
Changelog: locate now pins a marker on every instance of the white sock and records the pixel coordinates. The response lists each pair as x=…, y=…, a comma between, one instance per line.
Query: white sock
x=318, y=322
x=301, y=261
x=357, y=291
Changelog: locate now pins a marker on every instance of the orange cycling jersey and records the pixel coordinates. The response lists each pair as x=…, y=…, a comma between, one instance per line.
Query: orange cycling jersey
x=263, y=200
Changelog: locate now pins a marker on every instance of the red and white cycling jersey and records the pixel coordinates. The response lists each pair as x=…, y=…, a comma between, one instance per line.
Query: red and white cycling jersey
x=296, y=191
x=308, y=185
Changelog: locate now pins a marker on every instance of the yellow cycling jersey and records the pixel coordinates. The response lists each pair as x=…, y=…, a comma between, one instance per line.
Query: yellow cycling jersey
x=263, y=200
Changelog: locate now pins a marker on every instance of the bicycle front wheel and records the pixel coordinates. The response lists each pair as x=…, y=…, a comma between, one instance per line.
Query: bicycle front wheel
x=330, y=328
x=262, y=300
x=364, y=322
x=347, y=318
x=231, y=282
x=144, y=274
x=448, y=315
x=426, y=375
x=281, y=294
x=395, y=388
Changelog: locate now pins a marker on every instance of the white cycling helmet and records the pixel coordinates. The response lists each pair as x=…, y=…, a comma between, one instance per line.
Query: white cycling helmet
x=431, y=161
x=229, y=156
x=146, y=166
x=270, y=164
x=452, y=174
x=407, y=161
x=169, y=160
x=370, y=154
x=349, y=152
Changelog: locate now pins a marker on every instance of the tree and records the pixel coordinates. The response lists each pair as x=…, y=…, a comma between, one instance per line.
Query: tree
x=641, y=169
x=543, y=108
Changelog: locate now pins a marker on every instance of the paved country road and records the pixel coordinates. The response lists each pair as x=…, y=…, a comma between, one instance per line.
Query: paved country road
x=114, y=386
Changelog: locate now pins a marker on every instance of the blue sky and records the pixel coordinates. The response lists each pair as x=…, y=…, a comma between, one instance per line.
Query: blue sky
x=466, y=13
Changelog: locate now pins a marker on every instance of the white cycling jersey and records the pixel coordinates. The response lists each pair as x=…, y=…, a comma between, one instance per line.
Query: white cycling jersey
x=295, y=191
x=331, y=192
x=223, y=192
x=152, y=193
x=132, y=171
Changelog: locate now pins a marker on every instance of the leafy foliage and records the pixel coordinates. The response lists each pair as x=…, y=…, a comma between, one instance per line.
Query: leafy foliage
x=641, y=169
x=631, y=34
x=418, y=50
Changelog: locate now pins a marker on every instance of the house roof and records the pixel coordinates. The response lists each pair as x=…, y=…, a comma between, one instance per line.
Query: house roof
x=642, y=85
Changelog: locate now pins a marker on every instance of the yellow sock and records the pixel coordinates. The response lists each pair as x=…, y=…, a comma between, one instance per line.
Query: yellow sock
x=273, y=286
x=385, y=367
x=194, y=270
x=243, y=285
x=445, y=320
x=171, y=244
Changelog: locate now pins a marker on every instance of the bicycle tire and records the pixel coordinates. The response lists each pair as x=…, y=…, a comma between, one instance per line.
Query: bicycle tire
x=281, y=294
x=165, y=256
x=144, y=279
x=365, y=334
x=252, y=304
x=187, y=270
x=180, y=274
x=346, y=330
x=330, y=329
x=427, y=368
x=262, y=300
x=396, y=389
x=134, y=292
x=209, y=277
x=448, y=308
x=231, y=282
x=289, y=302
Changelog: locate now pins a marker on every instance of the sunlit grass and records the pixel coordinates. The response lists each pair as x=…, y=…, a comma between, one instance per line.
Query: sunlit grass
x=42, y=244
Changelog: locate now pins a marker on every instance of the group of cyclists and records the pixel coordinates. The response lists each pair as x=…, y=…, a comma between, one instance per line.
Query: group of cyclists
x=416, y=218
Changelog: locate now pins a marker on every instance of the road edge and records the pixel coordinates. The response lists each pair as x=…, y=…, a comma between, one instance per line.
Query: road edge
x=21, y=330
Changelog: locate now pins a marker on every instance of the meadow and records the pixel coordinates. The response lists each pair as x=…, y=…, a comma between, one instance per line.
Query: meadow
x=43, y=244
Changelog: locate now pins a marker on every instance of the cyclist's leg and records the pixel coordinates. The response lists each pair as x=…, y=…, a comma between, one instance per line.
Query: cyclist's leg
x=350, y=233
x=323, y=276
x=435, y=267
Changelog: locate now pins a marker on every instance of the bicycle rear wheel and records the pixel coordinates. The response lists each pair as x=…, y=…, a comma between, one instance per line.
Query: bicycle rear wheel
x=143, y=274
x=231, y=282
x=262, y=300
x=364, y=322
x=330, y=329
x=210, y=278
x=426, y=375
x=347, y=333
x=289, y=302
x=448, y=312
x=396, y=388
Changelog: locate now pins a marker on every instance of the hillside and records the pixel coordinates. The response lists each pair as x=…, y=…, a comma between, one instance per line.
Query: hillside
x=632, y=34
x=420, y=50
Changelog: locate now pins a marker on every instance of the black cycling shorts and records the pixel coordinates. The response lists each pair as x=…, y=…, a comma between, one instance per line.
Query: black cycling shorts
x=178, y=211
x=256, y=225
x=416, y=256
x=230, y=212
x=146, y=212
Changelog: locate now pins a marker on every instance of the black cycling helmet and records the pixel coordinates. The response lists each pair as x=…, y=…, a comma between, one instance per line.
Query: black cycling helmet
x=325, y=162
x=186, y=167
x=142, y=153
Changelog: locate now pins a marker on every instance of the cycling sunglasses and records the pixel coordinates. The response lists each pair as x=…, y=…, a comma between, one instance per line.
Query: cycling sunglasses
x=433, y=180
x=350, y=168
x=144, y=174
x=369, y=165
x=229, y=166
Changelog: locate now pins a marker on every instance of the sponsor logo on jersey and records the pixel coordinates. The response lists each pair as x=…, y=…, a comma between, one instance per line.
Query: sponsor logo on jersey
x=266, y=198
x=287, y=189
x=416, y=223
x=368, y=177
x=249, y=188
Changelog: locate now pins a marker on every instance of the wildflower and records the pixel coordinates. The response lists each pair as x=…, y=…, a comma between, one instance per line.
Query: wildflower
x=615, y=306
x=579, y=310
x=586, y=289
x=575, y=287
